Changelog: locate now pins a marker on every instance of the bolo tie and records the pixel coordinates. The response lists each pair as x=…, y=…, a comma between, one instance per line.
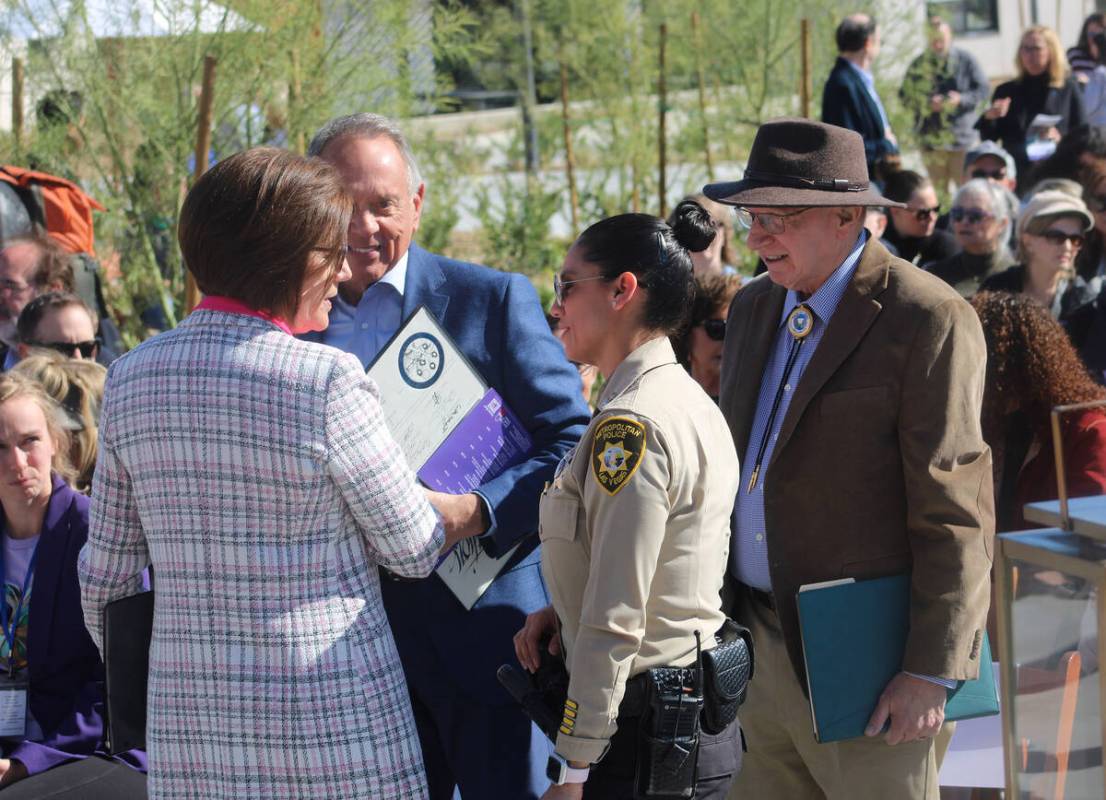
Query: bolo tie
x=800, y=322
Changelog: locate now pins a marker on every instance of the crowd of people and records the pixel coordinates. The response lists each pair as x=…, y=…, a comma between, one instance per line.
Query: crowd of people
x=875, y=403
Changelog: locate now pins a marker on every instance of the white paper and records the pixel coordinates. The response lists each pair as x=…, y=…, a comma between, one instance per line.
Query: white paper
x=420, y=417
x=468, y=571
x=1045, y=121
x=13, y=711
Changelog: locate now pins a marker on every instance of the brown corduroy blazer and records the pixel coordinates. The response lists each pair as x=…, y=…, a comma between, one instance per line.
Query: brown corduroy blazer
x=880, y=467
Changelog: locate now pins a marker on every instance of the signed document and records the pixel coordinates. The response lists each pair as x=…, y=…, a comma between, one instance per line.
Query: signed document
x=426, y=386
x=455, y=432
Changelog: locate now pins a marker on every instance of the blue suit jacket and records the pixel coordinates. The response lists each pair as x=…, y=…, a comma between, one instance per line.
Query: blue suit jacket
x=497, y=321
x=64, y=667
x=847, y=104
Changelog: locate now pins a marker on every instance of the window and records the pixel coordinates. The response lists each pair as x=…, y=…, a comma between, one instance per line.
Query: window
x=967, y=16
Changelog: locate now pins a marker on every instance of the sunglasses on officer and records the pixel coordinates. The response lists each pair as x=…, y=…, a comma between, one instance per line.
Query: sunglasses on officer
x=88, y=349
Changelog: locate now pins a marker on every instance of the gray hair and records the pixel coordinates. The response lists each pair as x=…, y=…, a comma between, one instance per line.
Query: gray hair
x=995, y=194
x=368, y=126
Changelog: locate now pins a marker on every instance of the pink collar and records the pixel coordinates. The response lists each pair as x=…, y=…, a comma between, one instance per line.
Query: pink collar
x=231, y=306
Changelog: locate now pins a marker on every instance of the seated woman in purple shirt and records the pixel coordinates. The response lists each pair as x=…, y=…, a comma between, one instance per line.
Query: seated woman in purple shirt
x=50, y=670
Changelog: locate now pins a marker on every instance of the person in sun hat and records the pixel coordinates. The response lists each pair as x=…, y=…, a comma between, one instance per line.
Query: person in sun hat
x=852, y=383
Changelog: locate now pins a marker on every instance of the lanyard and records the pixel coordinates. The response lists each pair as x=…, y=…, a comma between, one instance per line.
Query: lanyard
x=800, y=322
x=9, y=627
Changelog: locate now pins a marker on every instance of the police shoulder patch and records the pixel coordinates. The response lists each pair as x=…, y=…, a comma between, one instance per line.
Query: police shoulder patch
x=616, y=453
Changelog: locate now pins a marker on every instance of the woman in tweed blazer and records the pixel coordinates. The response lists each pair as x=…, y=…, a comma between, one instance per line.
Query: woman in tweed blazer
x=255, y=473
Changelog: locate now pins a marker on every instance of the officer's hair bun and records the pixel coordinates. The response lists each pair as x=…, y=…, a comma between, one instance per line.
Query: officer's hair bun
x=693, y=226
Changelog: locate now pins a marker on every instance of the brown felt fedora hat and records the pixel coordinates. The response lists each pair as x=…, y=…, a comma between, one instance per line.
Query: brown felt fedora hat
x=798, y=162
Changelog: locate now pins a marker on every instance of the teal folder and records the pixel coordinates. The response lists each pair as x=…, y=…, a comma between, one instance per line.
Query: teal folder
x=854, y=634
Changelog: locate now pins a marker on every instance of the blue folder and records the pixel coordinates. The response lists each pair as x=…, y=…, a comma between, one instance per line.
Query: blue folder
x=854, y=635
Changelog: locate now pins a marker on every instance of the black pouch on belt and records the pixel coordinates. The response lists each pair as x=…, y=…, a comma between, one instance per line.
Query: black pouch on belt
x=727, y=670
x=668, y=740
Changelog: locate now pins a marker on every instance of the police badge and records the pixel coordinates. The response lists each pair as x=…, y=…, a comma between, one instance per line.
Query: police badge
x=616, y=452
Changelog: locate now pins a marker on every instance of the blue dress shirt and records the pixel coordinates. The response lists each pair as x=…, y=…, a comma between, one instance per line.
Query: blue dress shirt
x=365, y=328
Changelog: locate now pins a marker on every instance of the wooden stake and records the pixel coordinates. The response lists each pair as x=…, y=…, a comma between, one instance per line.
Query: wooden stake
x=203, y=145
x=805, y=85
x=295, y=104
x=662, y=103
x=698, y=39
x=570, y=166
x=17, y=101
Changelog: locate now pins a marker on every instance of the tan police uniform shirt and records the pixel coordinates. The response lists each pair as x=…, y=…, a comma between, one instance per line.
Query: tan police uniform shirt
x=635, y=532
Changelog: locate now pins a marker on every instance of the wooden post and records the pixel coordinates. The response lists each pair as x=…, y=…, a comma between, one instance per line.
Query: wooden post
x=662, y=103
x=570, y=166
x=295, y=105
x=203, y=145
x=17, y=101
x=805, y=85
x=698, y=44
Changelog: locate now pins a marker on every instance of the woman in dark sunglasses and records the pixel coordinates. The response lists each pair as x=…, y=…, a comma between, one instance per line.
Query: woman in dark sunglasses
x=912, y=230
x=1051, y=230
x=980, y=220
x=58, y=321
x=699, y=345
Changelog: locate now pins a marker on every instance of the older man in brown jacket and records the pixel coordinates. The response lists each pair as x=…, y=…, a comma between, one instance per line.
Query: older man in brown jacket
x=852, y=383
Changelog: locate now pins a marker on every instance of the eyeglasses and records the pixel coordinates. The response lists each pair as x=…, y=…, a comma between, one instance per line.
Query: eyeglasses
x=1057, y=237
x=774, y=224
x=972, y=216
x=997, y=175
x=560, y=286
x=715, y=329
x=922, y=214
x=69, y=349
x=13, y=286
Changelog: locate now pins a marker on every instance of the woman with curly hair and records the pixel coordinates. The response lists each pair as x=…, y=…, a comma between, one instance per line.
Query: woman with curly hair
x=1031, y=367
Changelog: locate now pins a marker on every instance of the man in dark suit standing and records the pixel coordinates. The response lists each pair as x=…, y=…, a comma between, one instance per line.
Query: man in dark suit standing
x=852, y=382
x=472, y=734
x=849, y=98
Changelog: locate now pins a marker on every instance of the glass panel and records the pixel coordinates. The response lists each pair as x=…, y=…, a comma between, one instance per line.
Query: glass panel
x=1057, y=718
x=967, y=16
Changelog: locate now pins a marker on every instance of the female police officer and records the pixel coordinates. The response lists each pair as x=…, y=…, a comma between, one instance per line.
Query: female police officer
x=635, y=526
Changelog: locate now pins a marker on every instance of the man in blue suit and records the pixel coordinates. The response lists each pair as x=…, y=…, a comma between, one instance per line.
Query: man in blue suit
x=849, y=98
x=472, y=734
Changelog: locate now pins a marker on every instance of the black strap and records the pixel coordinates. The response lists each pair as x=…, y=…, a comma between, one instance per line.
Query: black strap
x=795, y=182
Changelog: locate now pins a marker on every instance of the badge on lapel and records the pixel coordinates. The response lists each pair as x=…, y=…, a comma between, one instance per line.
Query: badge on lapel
x=616, y=452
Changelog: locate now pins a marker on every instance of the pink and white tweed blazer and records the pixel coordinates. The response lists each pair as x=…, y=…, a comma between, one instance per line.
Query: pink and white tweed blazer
x=255, y=473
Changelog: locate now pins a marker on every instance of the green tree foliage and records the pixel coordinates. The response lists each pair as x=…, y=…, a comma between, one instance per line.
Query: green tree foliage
x=283, y=68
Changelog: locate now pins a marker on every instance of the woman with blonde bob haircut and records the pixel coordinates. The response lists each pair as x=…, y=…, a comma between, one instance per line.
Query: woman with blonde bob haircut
x=1043, y=86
